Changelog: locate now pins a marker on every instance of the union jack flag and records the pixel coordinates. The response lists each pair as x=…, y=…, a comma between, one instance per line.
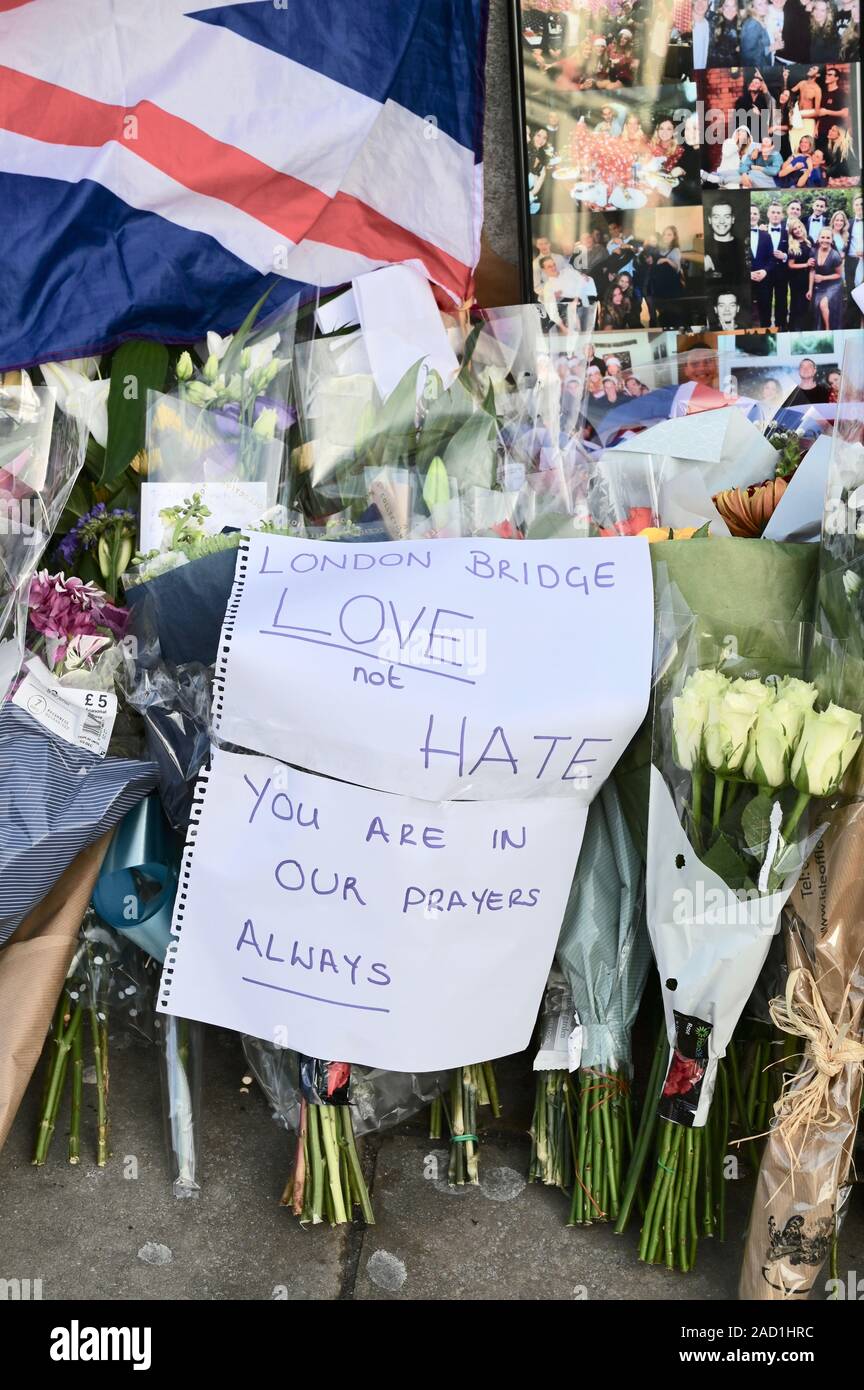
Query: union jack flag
x=159, y=162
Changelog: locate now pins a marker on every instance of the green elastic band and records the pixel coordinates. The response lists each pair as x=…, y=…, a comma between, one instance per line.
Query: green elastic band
x=664, y=1167
x=464, y=1138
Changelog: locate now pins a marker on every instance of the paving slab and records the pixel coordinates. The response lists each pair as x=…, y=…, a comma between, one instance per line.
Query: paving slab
x=507, y=1239
x=119, y=1232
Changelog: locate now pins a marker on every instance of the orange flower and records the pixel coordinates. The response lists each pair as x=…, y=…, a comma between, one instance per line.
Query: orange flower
x=748, y=510
x=633, y=525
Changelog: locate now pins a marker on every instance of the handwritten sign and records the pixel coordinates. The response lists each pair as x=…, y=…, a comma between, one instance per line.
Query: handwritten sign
x=371, y=928
x=467, y=669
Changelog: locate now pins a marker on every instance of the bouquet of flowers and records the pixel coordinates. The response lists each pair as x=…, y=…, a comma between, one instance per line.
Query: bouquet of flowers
x=41, y=455
x=484, y=442
x=802, y=1185
x=711, y=462
x=740, y=748
x=604, y=955
x=327, y=1105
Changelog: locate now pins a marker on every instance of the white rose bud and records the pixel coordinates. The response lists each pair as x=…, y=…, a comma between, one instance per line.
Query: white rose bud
x=801, y=693
x=688, y=721
x=211, y=367
x=771, y=742
x=827, y=746
x=730, y=719
x=757, y=690
x=690, y=712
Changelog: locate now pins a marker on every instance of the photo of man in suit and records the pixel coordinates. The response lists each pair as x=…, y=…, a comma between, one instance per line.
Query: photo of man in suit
x=762, y=270
x=779, y=238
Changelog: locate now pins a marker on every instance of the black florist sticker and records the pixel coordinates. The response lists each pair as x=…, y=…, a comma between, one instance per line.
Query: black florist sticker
x=683, y=1084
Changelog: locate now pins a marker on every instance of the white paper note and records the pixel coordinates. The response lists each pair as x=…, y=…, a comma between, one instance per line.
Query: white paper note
x=471, y=669
x=798, y=514
x=401, y=325
x=367, y=928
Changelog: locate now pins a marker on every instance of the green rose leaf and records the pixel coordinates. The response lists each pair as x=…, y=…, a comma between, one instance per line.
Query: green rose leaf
x=726, y=862
x=756, y=823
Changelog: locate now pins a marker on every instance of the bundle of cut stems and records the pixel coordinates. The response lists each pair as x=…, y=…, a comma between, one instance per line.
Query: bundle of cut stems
x=604, y=1141
x=327, y=1182
x=553, y=1139
x=77, y=1016
x=470, y=1087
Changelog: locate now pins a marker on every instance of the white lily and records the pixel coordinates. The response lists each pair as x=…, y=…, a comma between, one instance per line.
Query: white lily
x=255, y=356
x=78, y=396
x=216, y=346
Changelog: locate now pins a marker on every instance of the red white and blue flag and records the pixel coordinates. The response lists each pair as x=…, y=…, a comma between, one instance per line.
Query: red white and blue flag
x=159, y=162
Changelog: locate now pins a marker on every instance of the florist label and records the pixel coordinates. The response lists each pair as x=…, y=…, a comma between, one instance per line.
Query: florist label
x=473, y=669
x=376, y=929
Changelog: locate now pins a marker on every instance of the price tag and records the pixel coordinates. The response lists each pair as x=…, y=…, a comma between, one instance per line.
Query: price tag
x=81, y=717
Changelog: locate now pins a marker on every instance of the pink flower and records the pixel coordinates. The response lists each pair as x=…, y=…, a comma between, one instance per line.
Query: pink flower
x=62, y=609
x=83, y=651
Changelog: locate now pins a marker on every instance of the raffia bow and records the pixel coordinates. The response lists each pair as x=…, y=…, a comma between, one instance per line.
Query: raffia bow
x=830, y=1049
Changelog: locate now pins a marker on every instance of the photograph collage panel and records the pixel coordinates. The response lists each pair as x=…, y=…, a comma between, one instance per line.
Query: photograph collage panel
x=666, y=142
x=774, y=369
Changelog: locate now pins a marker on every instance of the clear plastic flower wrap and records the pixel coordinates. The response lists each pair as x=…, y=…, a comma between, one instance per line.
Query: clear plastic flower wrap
x=181, y=1048
x=108, y=984
x=808, y=1157
x=327, y=1104
x=672, y=453
x=490, y=447
x=378, y=1099
x=204, y=473
x=746, y=733
x=245, y=376
x=174, y=703
x=41, y=455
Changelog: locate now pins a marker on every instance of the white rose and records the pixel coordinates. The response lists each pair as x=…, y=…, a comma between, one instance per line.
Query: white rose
x=730, y=719
x=827, y=746
x=760, y=692
x=690, y=712
x=771, y=743
x=801, y=693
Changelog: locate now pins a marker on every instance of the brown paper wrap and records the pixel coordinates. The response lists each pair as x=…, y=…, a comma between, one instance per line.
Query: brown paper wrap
x=33, y=966
x=792, y=1221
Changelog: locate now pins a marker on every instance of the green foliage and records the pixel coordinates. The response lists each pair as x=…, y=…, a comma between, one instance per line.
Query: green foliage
x=756, y=823
x=723, y=858
x=136, y=368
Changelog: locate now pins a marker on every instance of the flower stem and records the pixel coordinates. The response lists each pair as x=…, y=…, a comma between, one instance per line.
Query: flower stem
x=55, y=1088
x=435, y=1118
x=296, y=1187
x=696, y=784
x=331, y=1157
x=492, y=1088
x=645, y=1133
x=698, y=1142
x=719, y=789
x=794, y=816
x=77, y=1054
x=99, y=1037
x=737, y=1092
x=358, y=1182
x=315, y=1164
x=721, y=1150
